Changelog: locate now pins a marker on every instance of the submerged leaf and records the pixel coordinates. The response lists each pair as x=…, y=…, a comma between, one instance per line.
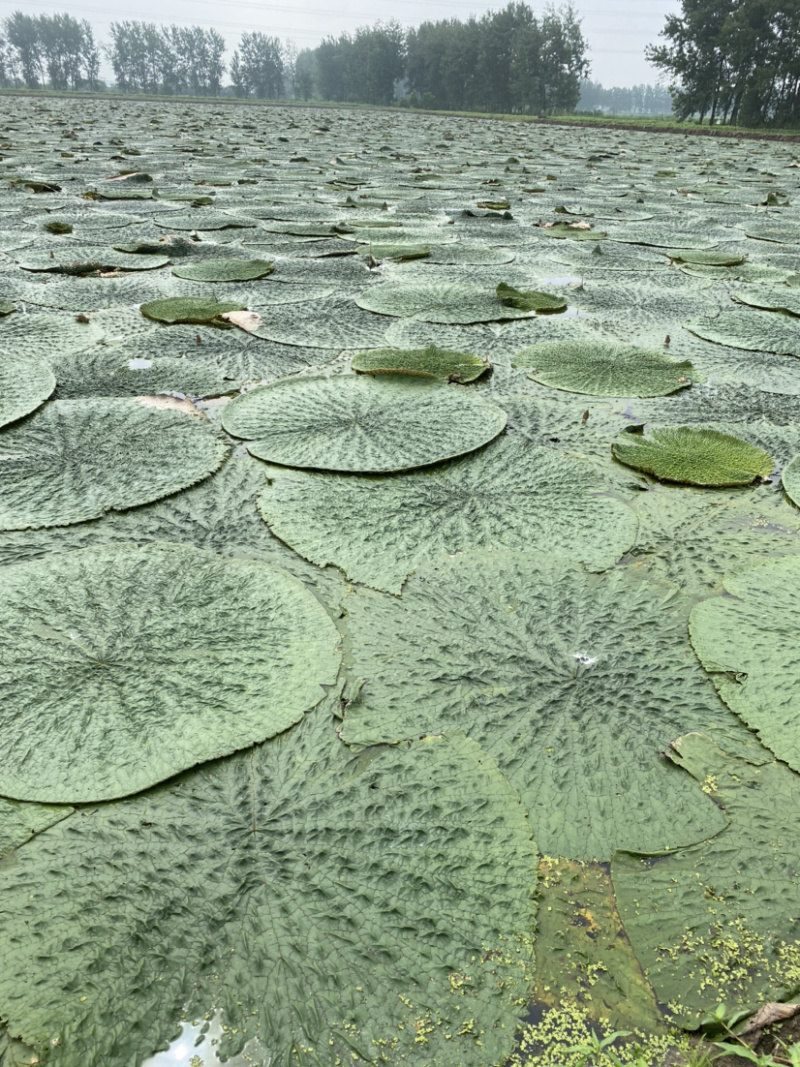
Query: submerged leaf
x=693, y=456
x=148, y=661
x=602, y=368
x=720, y=922
x=355, y=423
x=313, y=899
x=539, y=662
x=448, y=302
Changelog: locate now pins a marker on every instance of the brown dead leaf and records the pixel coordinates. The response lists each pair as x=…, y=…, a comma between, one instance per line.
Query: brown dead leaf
x=769, y=1014
x=165, y=402
x=249, y=321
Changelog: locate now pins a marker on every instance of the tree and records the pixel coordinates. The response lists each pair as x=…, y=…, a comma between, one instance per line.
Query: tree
x=305, y=74
x=22, y=34
x=261, y=66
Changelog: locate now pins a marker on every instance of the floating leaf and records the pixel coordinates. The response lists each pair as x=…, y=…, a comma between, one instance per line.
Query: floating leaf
x=743, y=640
x=191, y=309
x=770, y=299
x=537, y=661
x=225, y=270
x=6, y=307
x=720, y=922
x=511, y=494
x=24, y=386
x=75, y=459
x=602, y=368
x=355, y=423
x=148, y=661
x=707, y=258
x=79, y=260
x=694, y=456
x=753, y=330
x=451, y=302
x=430, y=362
x=19, y=822
x=529, y=299
x=248, y=887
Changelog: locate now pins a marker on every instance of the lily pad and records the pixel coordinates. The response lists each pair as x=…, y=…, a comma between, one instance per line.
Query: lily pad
x=756, y=331
x=149, y=661
x=430, y=362
x=6, y=307
x=225, y=270
x=355, y=423
x=693, y=456
x=448, y=302
x=511, y=494
x=529, y=299
x=718, y=923
x=73, y=460
x=249, y=885
x=80, y=260
x=24, y=386
x=536, y=660
x=786, y=299
x=191, y=309
x=743, y=639
x=19, y=822
x=602, y=368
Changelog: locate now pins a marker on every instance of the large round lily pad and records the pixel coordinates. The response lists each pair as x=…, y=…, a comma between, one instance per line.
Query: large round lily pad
x=603, y=368
x=24, y=386
x=790, y=478
x=314, y=900
x=745, y=638
x=511, y=494
x=355, y=423
x=122, y=666
x=430, y=362
x=448, y=302
x=192, y=309
x=542, y=664
x=693, y=456
x=73, y=460
x=225, y=270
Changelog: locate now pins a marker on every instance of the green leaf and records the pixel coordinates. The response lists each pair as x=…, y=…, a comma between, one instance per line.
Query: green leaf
x=148, y=661
x=400, y=253
x=448, y=302
x=602, y=368
x=693, y=456
x=334, y=323
x=225, y=270
x=529, y=299
x=69, y=259
x=790, y=479
x=430, y=362
x=510, y=494
x=743, y=639
x=315, y=900
x=753, y=330
x=721, y=921
x=193, y=309
x=541, y=663
x=787, y=300
x=19, y=822
x=24, y=386
x=75, y=459
x=6, y=307
x=355, y=423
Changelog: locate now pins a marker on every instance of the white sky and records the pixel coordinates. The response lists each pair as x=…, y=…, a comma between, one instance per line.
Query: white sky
x=617, y=30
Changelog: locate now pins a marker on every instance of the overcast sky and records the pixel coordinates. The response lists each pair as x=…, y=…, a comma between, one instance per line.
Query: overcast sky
x=617, y=30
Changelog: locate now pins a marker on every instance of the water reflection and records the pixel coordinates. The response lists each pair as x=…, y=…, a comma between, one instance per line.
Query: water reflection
x=197, y=1047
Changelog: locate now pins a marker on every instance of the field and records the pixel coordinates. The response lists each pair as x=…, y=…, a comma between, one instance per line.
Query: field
x=399, y=572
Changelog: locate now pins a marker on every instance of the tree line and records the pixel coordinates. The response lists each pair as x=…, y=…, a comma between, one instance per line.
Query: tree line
x=506, y=61
x=734, y=61
x=618, y=100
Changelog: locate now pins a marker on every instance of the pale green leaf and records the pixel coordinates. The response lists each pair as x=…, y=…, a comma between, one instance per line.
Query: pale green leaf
x=693, y=456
